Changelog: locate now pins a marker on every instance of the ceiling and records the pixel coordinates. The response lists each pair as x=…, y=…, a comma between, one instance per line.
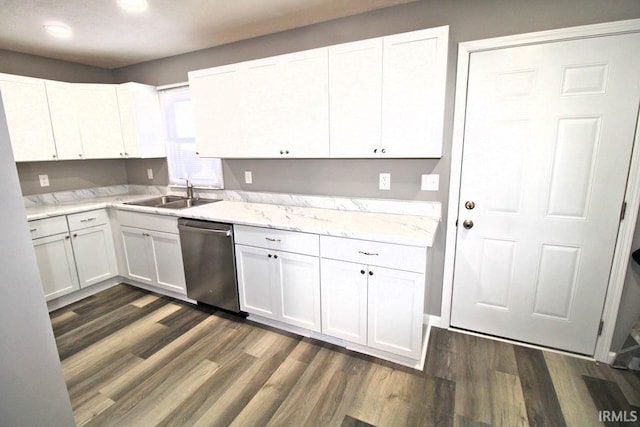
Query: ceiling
x=106, y=36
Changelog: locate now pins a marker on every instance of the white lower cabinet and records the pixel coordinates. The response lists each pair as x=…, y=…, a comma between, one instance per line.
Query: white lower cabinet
x=279, y=285
x=371, y=304
x=276, y=284
x=93, y=248
x=152, y=251
x=395, y=305
x=73, y=252
x=57, y=265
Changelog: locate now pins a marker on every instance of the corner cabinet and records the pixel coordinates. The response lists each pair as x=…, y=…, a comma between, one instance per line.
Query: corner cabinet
x=279, y=275
x=152, y=251
x=380, y=97
x=25, y=106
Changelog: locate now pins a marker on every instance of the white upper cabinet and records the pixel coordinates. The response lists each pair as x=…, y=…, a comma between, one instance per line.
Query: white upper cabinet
x=64, y=120
x=413, y=90
x=380, y=97
x=218, y=125
x=275, y=107
x=141, y=120
x=305, y=99
x=25, y=105
x=355, y=86
x=99, y=120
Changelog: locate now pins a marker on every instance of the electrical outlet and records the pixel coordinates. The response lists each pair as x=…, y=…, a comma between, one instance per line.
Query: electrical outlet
x=248, y=177
x=430, y=182
x=385, y=181
x=150, y=173
x=44, y=180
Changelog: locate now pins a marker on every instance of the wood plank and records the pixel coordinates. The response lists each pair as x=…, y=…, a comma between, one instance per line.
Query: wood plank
x=159, y=401
x=132, y=333
x=572, y=392
x=607, y=396
x=352, y=422
x=508, y=402
x=103, y=326
x=367, y=404
x=145, y=300
x=224, y=410
x=93, y=405
x=309, y=390
x=120, y=386
x=268, y=399
x=540, y=397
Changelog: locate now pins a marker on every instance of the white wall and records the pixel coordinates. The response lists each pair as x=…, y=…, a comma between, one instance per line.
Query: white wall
x=32, y=388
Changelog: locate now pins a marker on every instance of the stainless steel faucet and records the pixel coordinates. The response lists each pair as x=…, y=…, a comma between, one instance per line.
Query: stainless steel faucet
x=189, y=188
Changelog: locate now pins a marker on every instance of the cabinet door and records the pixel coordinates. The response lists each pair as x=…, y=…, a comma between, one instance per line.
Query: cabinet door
x=99, y=118
x=297, y=283
x=141, y=120
x=64, y=120
x=344, y=300
x=57, y=265
x=304, y=96
x=396, y=300
x=166, y=256
x=264, y=109
x=255, y=272
x=355, y=88
x=136, y=252
x=95, y=255
x=216, y=96
x=25, y=105
x=413, y=86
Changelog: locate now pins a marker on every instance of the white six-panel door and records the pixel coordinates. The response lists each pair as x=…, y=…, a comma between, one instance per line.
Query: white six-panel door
x=548, y=136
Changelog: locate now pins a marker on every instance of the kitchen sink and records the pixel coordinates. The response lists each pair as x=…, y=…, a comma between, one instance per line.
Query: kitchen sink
x=187, y=203
x=171, y=202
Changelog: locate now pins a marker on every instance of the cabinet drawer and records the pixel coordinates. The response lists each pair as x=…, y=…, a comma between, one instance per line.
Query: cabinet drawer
x=87, y=219
x=167, y=224
x=288, y=241
x=399, y=257
x=48, y=226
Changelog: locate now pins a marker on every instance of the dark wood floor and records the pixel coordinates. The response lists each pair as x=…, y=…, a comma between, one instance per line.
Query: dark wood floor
x=134, y=358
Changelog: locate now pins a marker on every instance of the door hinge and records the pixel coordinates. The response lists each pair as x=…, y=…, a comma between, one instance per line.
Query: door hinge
x=623, y=211
x=600, y=327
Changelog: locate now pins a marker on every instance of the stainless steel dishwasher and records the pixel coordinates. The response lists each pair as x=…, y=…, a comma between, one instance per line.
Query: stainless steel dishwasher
x=209, y=263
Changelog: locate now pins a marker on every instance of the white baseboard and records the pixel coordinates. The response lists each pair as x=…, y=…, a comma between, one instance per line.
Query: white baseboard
x=82, y=293
x=611, y=357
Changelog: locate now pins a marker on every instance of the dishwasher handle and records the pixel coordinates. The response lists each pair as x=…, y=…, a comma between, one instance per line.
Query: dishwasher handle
x=205, y=230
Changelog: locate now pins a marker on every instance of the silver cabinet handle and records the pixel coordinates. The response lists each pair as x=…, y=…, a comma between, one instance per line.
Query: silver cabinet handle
x=272, y=239
x=88, y=219
x=32, y=229
x=146, y=234
x=368, y=253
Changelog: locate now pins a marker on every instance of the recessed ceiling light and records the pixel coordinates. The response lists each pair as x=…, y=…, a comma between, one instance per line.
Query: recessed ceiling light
x=133, y=6
x=58, y=29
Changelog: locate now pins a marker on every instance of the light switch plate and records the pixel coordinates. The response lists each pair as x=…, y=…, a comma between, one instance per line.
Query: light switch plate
x=44, y=180
x=150, y=173
x=385, y=181
x=248, y=177
x=430, y=182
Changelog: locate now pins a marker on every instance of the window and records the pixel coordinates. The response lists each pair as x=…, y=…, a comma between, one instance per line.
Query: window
x=181, y=144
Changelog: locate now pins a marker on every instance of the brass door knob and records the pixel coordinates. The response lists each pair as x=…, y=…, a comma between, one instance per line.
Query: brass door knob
x=468, y=224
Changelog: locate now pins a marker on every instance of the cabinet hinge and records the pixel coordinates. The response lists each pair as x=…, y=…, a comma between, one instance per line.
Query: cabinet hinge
x=600, y=327
x=623, y=211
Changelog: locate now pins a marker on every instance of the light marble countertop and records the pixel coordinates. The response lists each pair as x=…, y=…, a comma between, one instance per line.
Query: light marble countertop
x=390, y=228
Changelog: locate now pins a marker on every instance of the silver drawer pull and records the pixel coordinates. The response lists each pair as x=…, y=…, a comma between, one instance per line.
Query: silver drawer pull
x=32, y=229
x=368, y=253
x=272, y=240
x=88, y=219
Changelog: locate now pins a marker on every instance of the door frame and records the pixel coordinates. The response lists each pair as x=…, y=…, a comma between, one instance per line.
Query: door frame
x=622, y=249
